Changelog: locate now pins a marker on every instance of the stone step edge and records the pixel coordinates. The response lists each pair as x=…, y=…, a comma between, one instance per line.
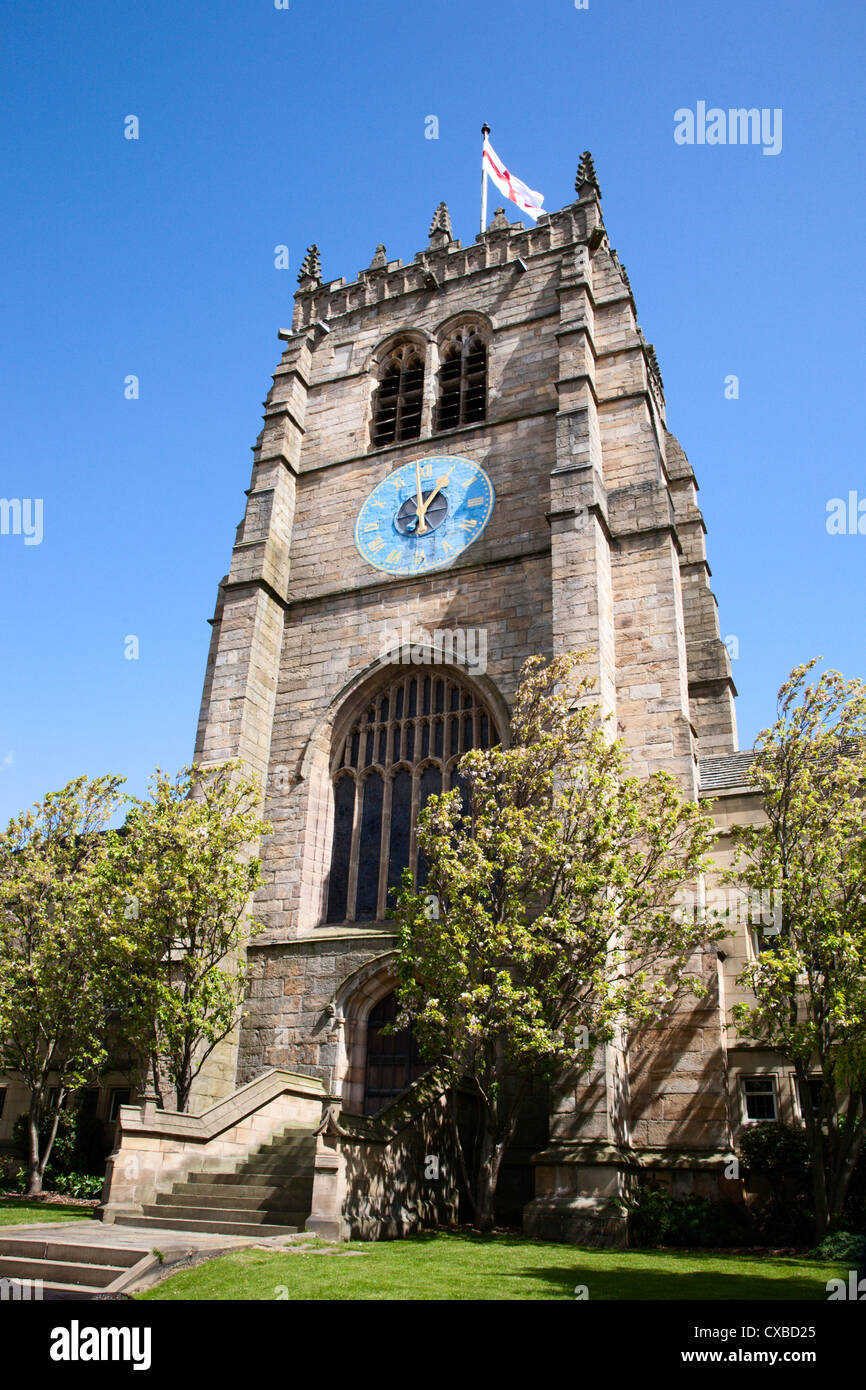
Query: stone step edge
x=217, y=1228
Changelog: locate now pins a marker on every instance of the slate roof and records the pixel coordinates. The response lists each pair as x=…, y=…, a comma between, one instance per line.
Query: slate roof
x=723, y=773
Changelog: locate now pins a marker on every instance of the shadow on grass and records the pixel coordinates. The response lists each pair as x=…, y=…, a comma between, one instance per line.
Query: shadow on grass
x=687, y=1285
x=669, y=1275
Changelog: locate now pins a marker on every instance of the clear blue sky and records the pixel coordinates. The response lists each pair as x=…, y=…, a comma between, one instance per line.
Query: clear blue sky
x=261, y=126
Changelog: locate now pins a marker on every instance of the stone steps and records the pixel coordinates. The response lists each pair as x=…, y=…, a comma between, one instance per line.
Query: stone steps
x=281, y=1164
x=204, y=1211
x=256, y=1182
x=206, y=1227
x=269, y=1194
x=51, y=1271
x=62, y=1266
x=231, y=1198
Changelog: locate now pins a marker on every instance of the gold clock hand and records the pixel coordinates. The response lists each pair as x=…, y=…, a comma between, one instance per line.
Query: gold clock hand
x=440, y=483
x=419, y=506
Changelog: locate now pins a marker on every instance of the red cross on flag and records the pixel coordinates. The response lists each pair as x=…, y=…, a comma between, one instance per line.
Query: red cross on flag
x=514, y=189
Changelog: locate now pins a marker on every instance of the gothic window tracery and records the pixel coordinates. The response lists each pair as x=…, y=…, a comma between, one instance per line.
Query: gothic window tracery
x=462, y=379
x=398, y=400
x=403, y=747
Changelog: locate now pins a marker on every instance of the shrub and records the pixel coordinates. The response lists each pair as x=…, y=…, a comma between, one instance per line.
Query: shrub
x=18, y=1182
x=842, y=1245
x=780, y=1153
x=656, y=1217
x=77, y=1185
x=785, y=1221
x=65, y=1184
x=777, y=1152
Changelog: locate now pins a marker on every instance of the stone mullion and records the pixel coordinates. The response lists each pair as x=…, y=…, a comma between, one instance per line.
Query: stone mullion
x=429, y=391
x=464, y=380
x=352, y=889
x=384, y=847
x=413, y=839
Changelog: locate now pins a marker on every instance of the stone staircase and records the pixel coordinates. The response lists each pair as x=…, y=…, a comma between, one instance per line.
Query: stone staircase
x=35, y=1265
x=270, y=1194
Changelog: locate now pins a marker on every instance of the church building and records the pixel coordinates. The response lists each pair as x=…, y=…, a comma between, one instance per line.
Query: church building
x=465, y=461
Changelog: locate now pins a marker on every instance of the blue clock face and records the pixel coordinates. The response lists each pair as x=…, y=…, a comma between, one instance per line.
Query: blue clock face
x=424, y=515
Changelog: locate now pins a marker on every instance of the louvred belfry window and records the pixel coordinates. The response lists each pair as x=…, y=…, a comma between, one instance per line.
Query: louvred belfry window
x=462, y=380
x=397, y=406
x=403, y=748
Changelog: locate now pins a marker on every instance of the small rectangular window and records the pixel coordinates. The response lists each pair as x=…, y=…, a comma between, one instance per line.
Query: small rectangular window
x=2, y=1100
x=809, y=1096
x=119, y=1096
x=759, y=1097
x=763, y=940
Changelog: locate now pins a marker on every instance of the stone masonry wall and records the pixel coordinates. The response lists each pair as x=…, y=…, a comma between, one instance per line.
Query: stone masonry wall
x=596, y=542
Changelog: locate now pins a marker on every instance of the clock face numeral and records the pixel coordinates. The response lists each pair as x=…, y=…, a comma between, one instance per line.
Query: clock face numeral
x=424, y=514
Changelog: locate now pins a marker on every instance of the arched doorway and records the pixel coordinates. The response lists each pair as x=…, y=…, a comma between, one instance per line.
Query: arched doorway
x=392, y=1061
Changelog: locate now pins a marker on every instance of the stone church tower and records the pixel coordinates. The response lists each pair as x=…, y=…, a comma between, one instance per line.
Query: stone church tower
x=376, y=617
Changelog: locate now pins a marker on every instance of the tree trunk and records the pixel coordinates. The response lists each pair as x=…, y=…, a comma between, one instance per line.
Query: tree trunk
x=154, y=1072
x=37, y=1162
x=819, y=1187
x=844, y=1161
x=34, y=1172
x=183, y=1078
x=496, y=1136
x=490, y=1160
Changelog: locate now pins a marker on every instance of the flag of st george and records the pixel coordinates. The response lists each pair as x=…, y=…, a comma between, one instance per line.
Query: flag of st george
x=514, y=189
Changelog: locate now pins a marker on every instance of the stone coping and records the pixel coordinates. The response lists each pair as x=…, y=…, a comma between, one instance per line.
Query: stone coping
x=384, y=1127
x=639, y=1156
x=223, y=1114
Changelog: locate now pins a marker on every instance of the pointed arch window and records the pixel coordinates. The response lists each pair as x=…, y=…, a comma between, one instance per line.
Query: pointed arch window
x=462, y=379
x=399, y=396
x=404, y=747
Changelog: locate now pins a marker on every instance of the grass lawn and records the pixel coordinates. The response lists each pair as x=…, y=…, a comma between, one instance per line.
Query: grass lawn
x=18, y=1211
x=500, y=1267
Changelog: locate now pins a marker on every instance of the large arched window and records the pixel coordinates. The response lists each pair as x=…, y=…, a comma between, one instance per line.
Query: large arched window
x=398, y=401
x=462, y=379
x=403, y=748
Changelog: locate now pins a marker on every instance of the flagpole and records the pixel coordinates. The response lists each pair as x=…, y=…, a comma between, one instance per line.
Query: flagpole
x=485, y=131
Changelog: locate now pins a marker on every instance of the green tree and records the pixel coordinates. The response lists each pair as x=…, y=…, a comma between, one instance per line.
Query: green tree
x=809, y=859
x=549, y=920
x=182, y=875
x=56, y=951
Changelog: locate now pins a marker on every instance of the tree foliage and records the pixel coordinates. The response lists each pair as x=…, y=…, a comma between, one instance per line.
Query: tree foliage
x=182, y=876
x=809, y=980
x=122, y=938
x=549, y=920
x=56, y=951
